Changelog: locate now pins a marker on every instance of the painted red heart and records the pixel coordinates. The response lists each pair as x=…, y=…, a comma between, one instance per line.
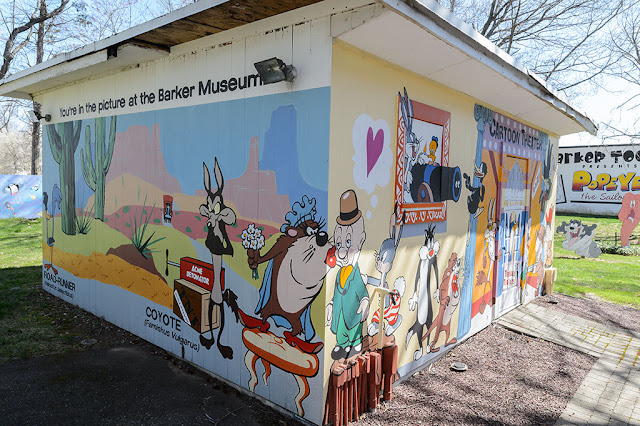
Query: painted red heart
x=374, y=148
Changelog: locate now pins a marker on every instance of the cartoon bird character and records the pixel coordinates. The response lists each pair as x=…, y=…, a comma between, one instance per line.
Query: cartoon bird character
x=56, y=201
x=433, y=147
x=477, y=192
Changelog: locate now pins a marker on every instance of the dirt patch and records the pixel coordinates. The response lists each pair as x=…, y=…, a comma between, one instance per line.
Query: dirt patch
x=130, y=254
x=113, y=270
x=625, y=317
x=512, y=380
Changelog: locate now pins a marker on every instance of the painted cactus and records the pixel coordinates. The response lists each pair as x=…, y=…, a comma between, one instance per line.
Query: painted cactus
x=95, y=172
x=63, y=139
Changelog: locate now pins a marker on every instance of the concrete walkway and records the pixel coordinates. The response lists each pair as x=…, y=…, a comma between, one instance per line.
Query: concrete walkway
x=610, y=394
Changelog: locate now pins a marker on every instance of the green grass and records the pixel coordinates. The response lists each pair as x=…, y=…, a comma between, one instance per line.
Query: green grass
x=32, y=323
x=613, y=278
x=20, y=242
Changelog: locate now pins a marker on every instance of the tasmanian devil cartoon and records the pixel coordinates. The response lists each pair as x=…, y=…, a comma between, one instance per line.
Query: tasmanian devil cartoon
x=422, y=292
x=218, y=216
x=297, y=265
x=449, y=296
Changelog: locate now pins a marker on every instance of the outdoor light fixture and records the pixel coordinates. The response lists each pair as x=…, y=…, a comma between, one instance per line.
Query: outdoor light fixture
x=274, y=70
x=36, y=116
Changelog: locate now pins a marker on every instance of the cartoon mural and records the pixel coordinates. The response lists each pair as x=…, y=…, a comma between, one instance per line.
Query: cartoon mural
x=424, y=182
x=384, y=263
x=95, y=169
x=297, y=265
x=448, y=297
x=20, y=196
x=579, y=238
x=157, y=204
x=422, y=298
x=349, y=307
x=218, y=217
x=510, y=185
x=63, y=140
x=629, y=214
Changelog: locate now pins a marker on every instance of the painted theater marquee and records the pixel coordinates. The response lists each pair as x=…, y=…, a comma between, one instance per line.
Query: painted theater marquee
x=594, y=180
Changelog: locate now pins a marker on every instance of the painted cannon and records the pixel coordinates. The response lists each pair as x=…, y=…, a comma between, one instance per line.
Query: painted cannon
x=433, y=183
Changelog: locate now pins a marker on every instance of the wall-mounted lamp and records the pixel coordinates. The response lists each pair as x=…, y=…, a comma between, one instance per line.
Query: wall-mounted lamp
x=274, y=70
x=36, y=116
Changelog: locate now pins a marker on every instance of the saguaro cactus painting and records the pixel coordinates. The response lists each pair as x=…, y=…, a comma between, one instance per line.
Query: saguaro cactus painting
x=64, y=142
x=95, y=171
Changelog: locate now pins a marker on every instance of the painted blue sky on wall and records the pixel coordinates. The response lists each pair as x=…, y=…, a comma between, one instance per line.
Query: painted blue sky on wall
x=293, y=126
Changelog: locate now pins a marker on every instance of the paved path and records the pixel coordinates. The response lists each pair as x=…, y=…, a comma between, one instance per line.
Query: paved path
x=610, y=394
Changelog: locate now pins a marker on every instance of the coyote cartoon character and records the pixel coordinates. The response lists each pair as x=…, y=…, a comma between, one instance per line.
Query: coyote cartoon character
x=218, y=216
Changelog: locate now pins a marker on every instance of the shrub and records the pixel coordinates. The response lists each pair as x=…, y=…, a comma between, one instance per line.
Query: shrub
x=613, y=248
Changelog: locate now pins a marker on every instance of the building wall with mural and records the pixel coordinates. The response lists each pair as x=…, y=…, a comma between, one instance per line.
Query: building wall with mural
x=248, y=228
x=595, y=179
x=21, y=196
x=471, y=231
x=187, y=203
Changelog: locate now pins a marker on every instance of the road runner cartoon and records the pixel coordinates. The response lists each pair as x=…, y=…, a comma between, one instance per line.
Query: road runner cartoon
x=297, y=265
x=349, y=307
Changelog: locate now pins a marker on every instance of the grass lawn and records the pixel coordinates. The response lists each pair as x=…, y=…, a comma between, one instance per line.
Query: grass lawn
x=31, y=323
x=613, y=278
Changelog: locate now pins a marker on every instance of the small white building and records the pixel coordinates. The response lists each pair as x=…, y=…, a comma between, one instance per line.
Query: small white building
x=250, y=228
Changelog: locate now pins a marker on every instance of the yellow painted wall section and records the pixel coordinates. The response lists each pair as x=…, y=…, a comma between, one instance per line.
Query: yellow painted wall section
x=364, y=109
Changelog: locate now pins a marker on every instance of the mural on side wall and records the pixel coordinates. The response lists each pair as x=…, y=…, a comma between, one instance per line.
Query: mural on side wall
x=629, y=215
x=508, y=194
x=424, y=292
x=448, y=297
x=424, y=180
x=132, y=219
x=384, y=262
x=349, y=307
x=579, y=238
x=20, y=196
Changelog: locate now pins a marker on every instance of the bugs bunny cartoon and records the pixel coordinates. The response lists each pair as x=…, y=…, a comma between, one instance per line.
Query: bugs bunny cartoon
x=384, y=263
x=412, y=153
x=218, y=216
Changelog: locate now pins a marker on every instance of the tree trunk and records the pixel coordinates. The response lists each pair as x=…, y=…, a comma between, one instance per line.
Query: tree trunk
x=36, y=161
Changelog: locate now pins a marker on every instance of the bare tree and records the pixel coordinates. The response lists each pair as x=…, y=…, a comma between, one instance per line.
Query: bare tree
x=16, y=154
x=565, y=42
x=625, y=39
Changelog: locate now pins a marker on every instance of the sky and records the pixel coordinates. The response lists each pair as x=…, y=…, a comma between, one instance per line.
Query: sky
x=603, y=107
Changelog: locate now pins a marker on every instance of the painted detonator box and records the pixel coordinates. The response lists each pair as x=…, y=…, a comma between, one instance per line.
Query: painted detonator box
x=191, y=303
x=198, y=272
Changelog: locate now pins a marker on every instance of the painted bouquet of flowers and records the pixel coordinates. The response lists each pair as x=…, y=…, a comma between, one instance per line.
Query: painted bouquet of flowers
x=252, y=239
